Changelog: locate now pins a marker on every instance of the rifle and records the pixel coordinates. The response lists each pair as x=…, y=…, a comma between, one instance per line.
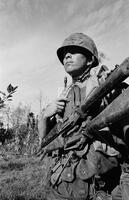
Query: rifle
x=115, y=112
x=81, y=112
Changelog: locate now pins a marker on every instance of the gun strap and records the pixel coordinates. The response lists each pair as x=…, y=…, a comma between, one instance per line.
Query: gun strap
x=63, y=167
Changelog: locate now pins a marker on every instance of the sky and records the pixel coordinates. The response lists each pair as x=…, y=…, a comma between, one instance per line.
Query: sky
x=31, y=31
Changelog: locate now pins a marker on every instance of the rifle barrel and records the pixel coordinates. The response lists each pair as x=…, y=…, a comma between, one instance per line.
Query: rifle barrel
x=116, y=77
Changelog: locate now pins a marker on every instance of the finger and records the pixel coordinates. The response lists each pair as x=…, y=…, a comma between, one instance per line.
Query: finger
x=60, y=103
x=59, y=111
x=63, y=99
x=60, y=108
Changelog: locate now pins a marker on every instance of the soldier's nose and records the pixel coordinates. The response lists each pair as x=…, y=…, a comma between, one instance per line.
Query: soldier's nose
x=68, y=55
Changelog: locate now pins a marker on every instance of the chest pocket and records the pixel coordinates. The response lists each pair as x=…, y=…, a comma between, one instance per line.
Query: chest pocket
x=75, y=100
x=75, y=97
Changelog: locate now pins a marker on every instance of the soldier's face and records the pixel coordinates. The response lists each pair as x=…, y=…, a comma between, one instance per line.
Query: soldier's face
x=75, y=63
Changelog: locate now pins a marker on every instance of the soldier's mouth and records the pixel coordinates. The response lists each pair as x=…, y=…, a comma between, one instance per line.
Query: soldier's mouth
x=68, y=63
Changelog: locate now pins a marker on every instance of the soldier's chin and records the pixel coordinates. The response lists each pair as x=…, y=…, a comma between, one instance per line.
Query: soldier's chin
x=70, y=71
x=72, y=74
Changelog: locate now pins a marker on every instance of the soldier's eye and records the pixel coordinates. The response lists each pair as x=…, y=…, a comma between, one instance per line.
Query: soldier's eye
x=64, y=54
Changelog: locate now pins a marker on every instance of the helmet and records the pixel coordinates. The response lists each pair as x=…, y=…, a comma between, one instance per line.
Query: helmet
x=81, y=42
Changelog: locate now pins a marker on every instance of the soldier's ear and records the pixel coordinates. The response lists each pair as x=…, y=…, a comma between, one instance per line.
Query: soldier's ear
x=90, y=61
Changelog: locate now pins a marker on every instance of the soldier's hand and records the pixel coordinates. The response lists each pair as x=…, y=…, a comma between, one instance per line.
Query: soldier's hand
x=56, y=107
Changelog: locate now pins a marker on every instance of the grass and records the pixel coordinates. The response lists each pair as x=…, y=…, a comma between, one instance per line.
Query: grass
x=22, y=178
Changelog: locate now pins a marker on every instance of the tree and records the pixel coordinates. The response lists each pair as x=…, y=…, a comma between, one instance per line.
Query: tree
x=18, y=116
x=6, y=133
x=8, y=95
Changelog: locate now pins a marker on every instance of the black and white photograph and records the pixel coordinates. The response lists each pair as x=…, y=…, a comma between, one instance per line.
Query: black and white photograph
x=64, y=100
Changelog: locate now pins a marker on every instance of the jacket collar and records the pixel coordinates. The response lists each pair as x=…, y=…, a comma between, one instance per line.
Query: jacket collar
x=82, y=77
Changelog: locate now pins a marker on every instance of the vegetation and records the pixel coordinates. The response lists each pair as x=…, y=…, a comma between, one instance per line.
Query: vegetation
x=22, y=176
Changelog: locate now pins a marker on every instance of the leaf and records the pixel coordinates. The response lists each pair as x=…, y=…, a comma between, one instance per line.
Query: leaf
x=15, y=88
x=2, y=93
x=10, y=88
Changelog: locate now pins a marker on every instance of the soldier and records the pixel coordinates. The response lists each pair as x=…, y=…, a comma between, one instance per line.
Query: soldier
x=86, y=169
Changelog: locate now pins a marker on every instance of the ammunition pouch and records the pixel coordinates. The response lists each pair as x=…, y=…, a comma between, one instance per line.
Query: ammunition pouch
x=105, y=163
x=63, y=170
x=68, y=174
x=96, y=163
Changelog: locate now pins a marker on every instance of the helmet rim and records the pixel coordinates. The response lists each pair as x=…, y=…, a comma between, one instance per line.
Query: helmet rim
x=81, y=49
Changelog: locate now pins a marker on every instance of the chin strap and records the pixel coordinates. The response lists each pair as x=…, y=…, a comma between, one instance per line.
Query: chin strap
x=82, y=77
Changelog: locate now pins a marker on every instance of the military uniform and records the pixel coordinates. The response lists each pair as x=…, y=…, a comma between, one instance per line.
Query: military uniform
x=82, y=173
x=85, y=169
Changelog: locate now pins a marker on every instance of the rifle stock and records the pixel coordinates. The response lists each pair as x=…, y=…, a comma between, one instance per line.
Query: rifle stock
x=116, y=77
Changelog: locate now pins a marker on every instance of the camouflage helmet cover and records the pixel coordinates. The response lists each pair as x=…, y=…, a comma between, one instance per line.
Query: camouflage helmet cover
x=81, y=42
